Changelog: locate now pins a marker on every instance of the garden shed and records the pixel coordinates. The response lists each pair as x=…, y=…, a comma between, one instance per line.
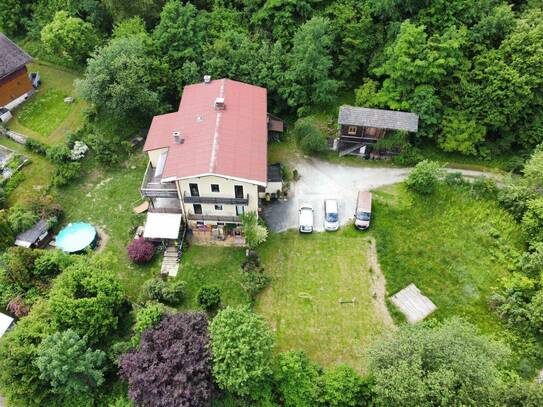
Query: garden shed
x=361, y=126
x=33, y=237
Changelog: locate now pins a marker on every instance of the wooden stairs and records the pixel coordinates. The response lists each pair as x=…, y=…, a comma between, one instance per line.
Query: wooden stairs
x=170, y=262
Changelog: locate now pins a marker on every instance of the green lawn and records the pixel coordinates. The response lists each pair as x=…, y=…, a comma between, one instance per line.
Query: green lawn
x=310, y=274
x=212, y=265
x=46, y=117
x=37, y=174
x=105, y=197
x=455, y=248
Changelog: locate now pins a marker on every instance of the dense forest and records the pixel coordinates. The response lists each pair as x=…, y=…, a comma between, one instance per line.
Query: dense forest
x=470, y=69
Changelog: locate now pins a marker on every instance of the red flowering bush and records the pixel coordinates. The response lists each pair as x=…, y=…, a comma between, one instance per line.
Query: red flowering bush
x=141, y=251
x=18, y=307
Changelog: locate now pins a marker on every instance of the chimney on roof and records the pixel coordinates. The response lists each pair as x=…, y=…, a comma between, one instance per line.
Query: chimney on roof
x=177, y=138
x=219, y=104
x=207, y=79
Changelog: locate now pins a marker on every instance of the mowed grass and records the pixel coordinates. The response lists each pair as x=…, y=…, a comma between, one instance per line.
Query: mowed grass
x=213, y=266
x=45, y=117
x=454, y=247
x=37, y=174
x=105, y=198
x=310, y=275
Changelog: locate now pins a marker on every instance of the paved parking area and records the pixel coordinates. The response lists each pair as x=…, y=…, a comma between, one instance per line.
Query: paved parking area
x=320, y=180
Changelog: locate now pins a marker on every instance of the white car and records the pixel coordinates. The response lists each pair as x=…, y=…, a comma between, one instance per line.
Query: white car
x=331, y=217
x=306, y=218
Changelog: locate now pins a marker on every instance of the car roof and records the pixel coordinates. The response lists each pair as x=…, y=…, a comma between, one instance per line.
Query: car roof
x=331, y=205
x=364, y=201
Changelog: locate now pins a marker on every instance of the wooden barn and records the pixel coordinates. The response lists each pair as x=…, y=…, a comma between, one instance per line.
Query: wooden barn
x=15, y=84
x=361, y=126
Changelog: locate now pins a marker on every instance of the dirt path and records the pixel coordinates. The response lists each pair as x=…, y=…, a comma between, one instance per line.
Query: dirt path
x=378, y=285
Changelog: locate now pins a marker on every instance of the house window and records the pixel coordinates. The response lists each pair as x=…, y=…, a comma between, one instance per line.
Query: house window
x=197, y=209
x=200, y=223
x=220, y=223
x=351, y=130
x=215, y=188
x=218, y=207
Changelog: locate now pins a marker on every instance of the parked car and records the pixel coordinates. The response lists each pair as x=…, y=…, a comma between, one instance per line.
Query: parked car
x=306, y=218
x=362, y=214
x=331, y=217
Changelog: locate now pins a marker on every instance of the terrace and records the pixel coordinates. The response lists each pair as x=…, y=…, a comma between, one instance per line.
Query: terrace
x=153, y=187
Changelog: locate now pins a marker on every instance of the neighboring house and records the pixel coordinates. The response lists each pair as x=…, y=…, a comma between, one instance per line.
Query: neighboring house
x=208, y=160
x=15, y=85
x=34, y=237
x=361, y=127
x=6, y=323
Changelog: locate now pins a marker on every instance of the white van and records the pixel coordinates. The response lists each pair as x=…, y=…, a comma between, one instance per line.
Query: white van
x=306, y=219
x=362, y=214
x=331, y=217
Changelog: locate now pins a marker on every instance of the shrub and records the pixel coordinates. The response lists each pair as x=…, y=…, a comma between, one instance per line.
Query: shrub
x=242, y=346
x=21, y=219
x=3, y=198
x=309, y=136
x=59, y=153
x=454, y=179
x=18, y=307
x=483, y=187
x=174, y=292
x=36, y=146
x=108, y=150
x=141, y=251
x=408, y=156
x=45, y=206
x=78, y=151
x=535, y=312
x=254, y=233
x=209, y=297
x=253, y=282
x=341, y=386
x=14, y=182
x=146, y=317
x=162, y=291
x=532, y=221
x=66, y=172
x=424, y=177
x=297, y=379
x=514, y=196
x=7, y=237
x=154, y=288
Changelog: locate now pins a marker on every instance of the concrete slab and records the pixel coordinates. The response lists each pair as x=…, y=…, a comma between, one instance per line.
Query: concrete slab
x=413, y=304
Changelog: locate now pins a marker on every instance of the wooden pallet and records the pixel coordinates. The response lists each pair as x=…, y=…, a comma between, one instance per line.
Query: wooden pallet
x=413, y=304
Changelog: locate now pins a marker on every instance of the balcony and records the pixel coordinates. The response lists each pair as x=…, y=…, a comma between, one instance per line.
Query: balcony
x=214, y=218
x=153, y=188
x=216, y=200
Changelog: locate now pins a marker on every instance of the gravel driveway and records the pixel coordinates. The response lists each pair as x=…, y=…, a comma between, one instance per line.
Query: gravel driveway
x=320, y=180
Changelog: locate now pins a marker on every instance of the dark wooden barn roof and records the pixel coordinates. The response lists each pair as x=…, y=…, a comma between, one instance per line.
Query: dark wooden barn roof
x=12, y=57
x=378, y=118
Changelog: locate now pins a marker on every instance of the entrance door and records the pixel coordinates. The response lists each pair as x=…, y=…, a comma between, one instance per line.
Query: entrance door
x=240, y=209
x=194, y=190
x=238, y=190
x=197, y=209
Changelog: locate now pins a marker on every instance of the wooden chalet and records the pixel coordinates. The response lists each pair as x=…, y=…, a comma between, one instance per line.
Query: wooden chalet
x=15, y=84
x=360, y=127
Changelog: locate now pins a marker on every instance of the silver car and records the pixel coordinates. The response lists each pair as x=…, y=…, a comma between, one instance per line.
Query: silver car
x=331, y=216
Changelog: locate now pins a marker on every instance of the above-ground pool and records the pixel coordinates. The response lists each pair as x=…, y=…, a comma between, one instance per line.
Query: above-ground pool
x=76, y=237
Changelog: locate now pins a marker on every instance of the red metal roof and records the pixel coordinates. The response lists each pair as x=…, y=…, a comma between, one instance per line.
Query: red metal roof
x=230, y=142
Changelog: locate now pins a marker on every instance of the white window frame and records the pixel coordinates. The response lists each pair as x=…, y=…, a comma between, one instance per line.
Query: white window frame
x=218, y=207
x=351, y=130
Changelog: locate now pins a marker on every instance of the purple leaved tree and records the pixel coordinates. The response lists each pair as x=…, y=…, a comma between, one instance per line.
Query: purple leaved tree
x=172, y=366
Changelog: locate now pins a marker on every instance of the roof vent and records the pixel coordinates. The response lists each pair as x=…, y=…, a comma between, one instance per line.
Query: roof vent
x=207, y=79
x=219, y=104
x=177, y=138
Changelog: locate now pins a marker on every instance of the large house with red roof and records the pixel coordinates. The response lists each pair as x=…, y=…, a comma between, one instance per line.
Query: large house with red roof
x=208, y=160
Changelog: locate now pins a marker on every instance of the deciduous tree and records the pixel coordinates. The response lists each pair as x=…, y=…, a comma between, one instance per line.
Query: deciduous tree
x=242, y=345
x=172, y=366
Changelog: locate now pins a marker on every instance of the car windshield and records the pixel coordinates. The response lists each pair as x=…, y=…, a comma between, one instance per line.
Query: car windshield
x=363, y=215
x=331, y=217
